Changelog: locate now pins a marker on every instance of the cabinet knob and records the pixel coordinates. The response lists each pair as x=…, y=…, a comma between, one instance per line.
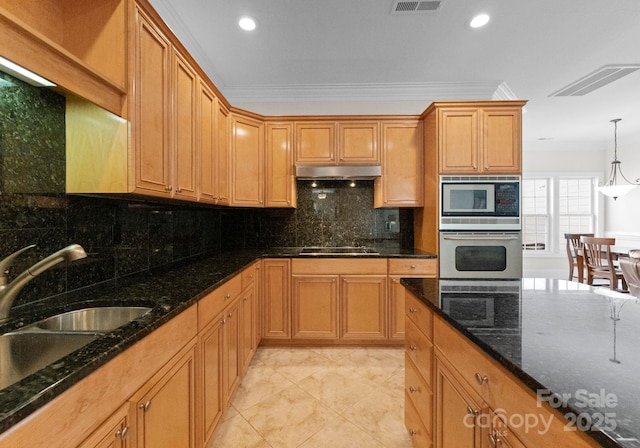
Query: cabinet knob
x=145, y=406
x=413, y=310
x=396, y=280
x=122, y=433
x=245, y=299
x=178, y=190
x=412, y=432
x=223, y=321
x=414, y=389
x=227, y=296
x=230, y=315
x=481, y=379
x=168, y=188
x=413, y=348
x=413, y=266
x=472, y=412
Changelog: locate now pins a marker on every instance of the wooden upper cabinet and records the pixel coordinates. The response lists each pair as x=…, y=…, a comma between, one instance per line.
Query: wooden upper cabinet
x=152, y=108
x=81, y=46
x=315, y=143
x=358, y=143
x=502, y=140
x=480, y=139
x=247, y=161
x=401, y=183
x=280, y=176
x=337, y=142
x=185, y=85
x=222, y=187
x=206, y=141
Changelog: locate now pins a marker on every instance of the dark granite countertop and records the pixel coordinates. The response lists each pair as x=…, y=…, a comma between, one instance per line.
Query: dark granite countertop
x=556, y=336
x=168, y=291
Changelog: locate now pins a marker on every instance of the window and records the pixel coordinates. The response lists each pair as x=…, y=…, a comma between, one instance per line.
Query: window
x=554, y=205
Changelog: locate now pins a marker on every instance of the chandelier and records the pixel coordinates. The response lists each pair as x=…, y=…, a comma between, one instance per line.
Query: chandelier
x=612, y=188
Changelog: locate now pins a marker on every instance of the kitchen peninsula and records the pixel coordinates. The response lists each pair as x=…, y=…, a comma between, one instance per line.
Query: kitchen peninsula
x=553, y=347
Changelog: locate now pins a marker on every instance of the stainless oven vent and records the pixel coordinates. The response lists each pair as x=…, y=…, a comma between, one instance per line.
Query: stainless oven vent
x=402, y=7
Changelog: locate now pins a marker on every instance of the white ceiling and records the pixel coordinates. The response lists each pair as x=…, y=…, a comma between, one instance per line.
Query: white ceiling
x=355, y=57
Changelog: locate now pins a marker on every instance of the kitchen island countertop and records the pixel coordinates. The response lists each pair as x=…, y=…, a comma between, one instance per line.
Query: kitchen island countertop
x=557, y=337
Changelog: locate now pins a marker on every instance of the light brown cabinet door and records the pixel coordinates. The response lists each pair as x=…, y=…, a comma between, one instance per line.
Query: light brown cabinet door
x=211, y=402
x=232, y=350
x=280, y=173
x=223, y=169
x=316, y=142
x=459, y=140
x=396, y=309
x=358, y=143
x=116, y=432
x=276, y=299
x=206, y=144
x=401, y=183
x=185, y=83
x=247, y=162
x=315, y=306
x=502, y=140
x=152, y=108
x=363, y=306
x=165, y=409
x=247, y=328
x=457, y=412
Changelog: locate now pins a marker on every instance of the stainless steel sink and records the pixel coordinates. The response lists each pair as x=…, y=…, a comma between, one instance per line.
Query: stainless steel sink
x=99, y=319
x=24, y=353
x=35, y=346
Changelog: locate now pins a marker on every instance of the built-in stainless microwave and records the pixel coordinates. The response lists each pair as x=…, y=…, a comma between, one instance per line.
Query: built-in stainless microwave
x=480, y=203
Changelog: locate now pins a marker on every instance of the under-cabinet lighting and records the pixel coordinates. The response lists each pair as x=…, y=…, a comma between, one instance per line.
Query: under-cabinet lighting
x=24, y=74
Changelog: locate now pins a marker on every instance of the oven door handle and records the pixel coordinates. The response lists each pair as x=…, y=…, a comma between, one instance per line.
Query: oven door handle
x=481, y=238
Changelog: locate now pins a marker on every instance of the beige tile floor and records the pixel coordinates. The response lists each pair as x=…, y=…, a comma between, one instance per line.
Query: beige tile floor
x=317, y=398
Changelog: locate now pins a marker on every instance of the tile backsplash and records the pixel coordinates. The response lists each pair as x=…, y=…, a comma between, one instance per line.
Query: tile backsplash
x=123, y=237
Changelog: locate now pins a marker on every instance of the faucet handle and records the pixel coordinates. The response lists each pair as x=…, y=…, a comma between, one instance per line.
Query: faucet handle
x=6, y=263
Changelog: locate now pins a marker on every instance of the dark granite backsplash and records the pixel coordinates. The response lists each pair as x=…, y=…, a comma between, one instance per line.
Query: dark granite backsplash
x=124, y=237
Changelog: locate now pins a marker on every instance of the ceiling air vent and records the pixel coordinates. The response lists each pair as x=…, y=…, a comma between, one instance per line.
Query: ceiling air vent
x=419, y=7
x=601, y=77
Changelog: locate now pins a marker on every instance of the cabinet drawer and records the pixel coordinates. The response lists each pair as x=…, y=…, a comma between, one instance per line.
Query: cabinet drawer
x=418, y=313
x=248, y=276
x=420, y=437
x=211, y=305
x=342, y=266
x=420, y=350
x=501, y=390
x=420, y=267
x=419, y=392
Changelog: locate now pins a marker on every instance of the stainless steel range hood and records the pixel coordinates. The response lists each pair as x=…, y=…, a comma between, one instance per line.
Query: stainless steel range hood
x=338, y=172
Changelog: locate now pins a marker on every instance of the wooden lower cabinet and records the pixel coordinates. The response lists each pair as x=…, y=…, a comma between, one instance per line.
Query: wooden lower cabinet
x=456, y=412
x=165, y=407
x=363, y=300
x=315, y=307
x=210, y=398
x=116, y=432
x=231, y=350
x=247, y=317
x=276, y=299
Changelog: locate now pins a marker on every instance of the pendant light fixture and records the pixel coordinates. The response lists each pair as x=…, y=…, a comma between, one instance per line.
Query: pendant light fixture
x=612, y=188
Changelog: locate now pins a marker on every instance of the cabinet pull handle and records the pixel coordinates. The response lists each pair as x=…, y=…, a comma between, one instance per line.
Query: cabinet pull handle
x=413, y=310
x=122, y=433
x=413, y=348
x=472, y=412
x=414, y=389
x=481, y=379
x=494, y=440
x=145, y=406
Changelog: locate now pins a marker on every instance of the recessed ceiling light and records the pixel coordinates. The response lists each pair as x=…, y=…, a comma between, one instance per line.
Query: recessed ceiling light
x=479, y=21
x=247, y=23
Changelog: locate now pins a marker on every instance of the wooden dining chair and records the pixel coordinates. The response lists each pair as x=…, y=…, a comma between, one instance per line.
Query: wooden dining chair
x=574, y=254
x=599, y=262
